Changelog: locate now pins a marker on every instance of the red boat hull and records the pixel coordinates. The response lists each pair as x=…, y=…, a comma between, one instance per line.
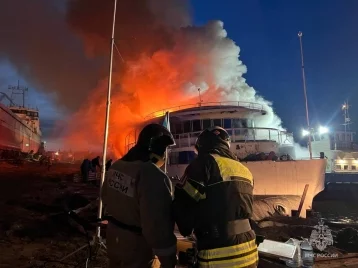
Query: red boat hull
x=15, y=135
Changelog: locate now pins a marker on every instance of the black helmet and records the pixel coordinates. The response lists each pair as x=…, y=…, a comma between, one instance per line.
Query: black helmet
x=210, y=136
x=155, y=138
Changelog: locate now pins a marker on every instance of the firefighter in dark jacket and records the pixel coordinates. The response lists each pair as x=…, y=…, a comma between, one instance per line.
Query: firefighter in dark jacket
x=214, y=199
x=138, y=195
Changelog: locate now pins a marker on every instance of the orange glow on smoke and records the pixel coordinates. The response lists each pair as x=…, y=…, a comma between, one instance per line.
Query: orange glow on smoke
x=148, y=85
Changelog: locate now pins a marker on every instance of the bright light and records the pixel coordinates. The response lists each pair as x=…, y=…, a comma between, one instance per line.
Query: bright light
x=323, y=130
x=56, y=153
x=305, y=132
x=341, y=161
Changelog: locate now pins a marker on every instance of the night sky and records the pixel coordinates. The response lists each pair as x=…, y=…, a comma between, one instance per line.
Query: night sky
x=266, y=32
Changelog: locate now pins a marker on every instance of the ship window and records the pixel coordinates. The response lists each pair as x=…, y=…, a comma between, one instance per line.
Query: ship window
x=244, y=123
x=196, y=125
x=178, y=128
x=345, y=167
x=173, y=158
x=236, y=123
x=227, y=123
x=338, y=167
x=172, y=128
x=206, y=123
x=186, y=157
x=186, y=126
x=217, y=123
x=353, y=167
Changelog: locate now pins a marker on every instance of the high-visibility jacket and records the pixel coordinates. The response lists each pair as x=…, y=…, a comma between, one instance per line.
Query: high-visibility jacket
x=138, y=198
x=214, y=199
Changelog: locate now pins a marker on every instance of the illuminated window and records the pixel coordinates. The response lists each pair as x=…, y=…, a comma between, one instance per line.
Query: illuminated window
x=338, y=167
x=354, y=168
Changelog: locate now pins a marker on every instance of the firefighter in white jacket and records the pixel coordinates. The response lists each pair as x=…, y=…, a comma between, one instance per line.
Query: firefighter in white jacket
x=138, y=198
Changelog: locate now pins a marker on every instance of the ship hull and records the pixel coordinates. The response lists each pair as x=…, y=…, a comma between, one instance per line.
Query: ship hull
x=281, y=178
x=15, y=135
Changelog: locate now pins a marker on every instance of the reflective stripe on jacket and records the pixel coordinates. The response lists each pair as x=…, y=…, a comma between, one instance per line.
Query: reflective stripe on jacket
x=242, y=255
x=214, y=191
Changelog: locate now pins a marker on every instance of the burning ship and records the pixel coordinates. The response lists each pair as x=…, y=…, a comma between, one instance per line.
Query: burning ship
x=265, y=151
x=19, y=126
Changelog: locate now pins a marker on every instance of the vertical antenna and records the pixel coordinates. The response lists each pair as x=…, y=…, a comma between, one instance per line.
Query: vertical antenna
x=200, y=100
x=18, y=90
x=305, y=93
x=106, y=126
x=347, y=120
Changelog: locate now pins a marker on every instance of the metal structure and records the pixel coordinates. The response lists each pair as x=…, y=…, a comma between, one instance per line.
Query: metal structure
x=347, y=120
x=4, y=96
x=305, y=94
x=200, y=100
x=97, y=240
x=224, y=104
x=105, y=140
x=18, y=90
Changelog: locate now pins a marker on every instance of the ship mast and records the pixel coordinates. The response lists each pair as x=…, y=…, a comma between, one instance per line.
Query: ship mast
x=18, y=90
x=347, y=120
x=305, y=94
x=200, y=100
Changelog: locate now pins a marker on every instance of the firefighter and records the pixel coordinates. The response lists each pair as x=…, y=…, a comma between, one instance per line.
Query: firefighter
x=214, y=200
x=86, y=166
x=95, y=163
x=109, y=164
x=138, y=197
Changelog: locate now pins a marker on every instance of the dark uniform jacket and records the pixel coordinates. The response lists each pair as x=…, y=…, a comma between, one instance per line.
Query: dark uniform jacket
x=214, y=196
x=138, y=195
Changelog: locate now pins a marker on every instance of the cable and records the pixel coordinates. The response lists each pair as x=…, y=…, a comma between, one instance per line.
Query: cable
x=85, y=226
x=118, y=51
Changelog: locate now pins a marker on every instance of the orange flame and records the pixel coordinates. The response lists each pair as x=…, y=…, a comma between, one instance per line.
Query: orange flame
x=149, y=85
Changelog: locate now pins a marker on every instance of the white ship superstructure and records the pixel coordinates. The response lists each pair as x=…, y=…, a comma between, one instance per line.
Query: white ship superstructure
x=267, y=152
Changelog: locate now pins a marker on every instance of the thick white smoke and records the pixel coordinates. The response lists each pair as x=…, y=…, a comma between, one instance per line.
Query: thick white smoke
x=204, y=57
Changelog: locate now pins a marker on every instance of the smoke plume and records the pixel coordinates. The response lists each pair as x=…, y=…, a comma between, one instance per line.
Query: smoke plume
x=166, y=61
x=37, y=42
x=160, y=61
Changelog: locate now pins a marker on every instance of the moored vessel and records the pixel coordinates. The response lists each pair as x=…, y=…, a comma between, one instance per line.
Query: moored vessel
x=339, y=148
x=19, y=125
x=269, y=153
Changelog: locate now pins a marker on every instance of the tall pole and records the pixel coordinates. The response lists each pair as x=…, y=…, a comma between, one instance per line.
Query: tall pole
x=305, y=93
x=104, y=157
x=200, y=101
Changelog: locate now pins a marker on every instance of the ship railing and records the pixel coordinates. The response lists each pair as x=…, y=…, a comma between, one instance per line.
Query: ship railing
x=255, y=134
x=249, y=105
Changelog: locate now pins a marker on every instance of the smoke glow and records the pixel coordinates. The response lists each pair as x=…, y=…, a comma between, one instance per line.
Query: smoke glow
x=166, y=60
